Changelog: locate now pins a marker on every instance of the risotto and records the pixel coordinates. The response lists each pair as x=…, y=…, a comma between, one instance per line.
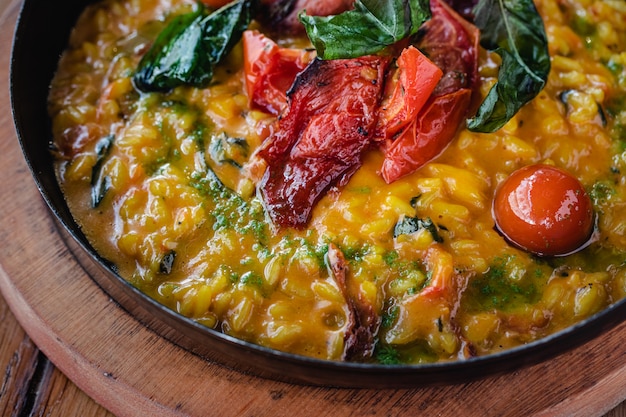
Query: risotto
x=345, y=245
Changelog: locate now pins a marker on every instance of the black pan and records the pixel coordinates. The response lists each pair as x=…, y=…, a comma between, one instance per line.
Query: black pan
x=42, y=32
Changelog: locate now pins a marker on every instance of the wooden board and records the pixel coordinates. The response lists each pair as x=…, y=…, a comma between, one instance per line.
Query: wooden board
x=134, y=372
x=32, y=385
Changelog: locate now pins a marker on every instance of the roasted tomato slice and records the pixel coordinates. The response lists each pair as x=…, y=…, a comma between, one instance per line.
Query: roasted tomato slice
x=408, y=88
x=452, y=44
x=427, y=137
x=270, y=70
x=362, y=322
x=319, y=139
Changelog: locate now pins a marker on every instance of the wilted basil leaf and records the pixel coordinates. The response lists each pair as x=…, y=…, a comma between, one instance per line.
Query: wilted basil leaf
x=230, y=150
x=370, y=27
x=409, y=225
x=100, y=183
x=188, y=49
x=167, y=262
x=514, y=30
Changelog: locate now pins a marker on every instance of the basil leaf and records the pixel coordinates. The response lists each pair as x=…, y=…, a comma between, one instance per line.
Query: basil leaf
x=515, y=31
x=188, y=49
x=409, y=225
x=226, y=149
x=167, y=262
x=370, y=27
x=100, y=183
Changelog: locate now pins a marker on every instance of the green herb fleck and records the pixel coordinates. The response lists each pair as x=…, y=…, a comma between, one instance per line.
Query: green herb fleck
x=387, y=355
x=389, y=317
x=355, y=253
x=496, y=289
x=391, y=257
x=601, y=192
x=582, y=26
x=251, y=278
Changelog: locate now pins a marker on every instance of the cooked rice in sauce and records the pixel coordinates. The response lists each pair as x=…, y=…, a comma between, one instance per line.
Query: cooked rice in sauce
x=209, y=253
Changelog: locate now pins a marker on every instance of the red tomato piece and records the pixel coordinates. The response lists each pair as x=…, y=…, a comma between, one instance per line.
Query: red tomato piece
x=544, y=210
x=427, y=136
x=451, y=44
x=410, y=86
x=319, y=140
x=75, y=139
x=270, y=71
x=216, y=3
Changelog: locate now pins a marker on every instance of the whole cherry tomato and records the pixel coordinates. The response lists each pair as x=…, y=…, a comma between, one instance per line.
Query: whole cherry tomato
x=544, y=210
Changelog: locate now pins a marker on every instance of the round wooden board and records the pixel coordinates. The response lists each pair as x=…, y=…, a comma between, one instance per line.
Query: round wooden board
x=133, y=372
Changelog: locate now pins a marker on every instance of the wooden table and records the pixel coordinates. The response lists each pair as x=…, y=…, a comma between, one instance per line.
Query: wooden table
x=33, y=385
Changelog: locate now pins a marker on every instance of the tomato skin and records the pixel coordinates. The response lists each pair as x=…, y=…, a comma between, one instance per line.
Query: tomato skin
x=544, y=210
x=270, y=70
x=422, y=130
x=216, y=3
x=427, y=137
x=319, y=140
x=411, y=85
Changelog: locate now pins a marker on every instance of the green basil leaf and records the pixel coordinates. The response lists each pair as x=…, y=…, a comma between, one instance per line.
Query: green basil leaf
x=409, y=225
x=167, y=262
x=230, y=150
x=369, y=28
x=514, y=30
x=188, y=49
x=100, y=183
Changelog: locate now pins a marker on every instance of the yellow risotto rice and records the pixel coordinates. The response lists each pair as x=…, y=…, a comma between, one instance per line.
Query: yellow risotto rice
x=209, y=253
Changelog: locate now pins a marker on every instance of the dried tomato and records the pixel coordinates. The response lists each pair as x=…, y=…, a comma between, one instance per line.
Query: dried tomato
x=270, y=70
x=319, y=140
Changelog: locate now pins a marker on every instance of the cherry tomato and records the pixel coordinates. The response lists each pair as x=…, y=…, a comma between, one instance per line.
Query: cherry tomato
x=544, y=210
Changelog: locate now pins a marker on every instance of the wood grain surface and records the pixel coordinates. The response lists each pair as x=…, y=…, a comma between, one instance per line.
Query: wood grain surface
x=60, y=316
x=31, y=384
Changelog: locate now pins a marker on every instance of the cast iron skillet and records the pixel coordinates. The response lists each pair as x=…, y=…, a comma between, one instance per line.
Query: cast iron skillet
x=41, y=35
